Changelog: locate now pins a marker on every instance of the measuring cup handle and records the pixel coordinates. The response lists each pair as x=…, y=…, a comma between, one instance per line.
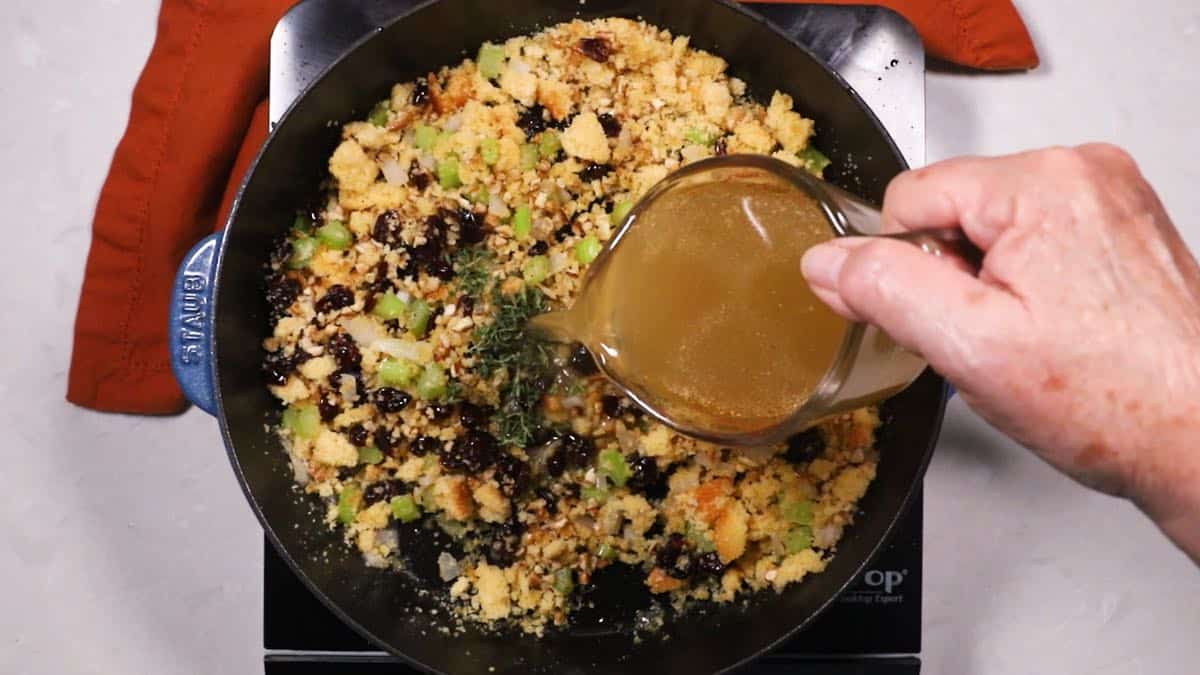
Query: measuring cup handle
x=948, y=242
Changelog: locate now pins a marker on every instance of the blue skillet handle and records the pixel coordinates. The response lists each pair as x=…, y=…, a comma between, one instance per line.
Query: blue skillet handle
x=190, y=324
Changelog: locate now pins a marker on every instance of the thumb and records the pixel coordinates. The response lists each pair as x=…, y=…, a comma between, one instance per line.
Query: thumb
x=927, y=305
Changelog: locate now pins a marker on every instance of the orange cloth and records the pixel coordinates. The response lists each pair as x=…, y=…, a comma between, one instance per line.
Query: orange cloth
x=197, y=120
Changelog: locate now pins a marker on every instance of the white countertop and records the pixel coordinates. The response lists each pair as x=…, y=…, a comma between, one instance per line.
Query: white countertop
x=127, y=545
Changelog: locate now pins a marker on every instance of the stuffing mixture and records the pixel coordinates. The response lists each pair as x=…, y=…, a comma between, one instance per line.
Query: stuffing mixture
x=469, y=201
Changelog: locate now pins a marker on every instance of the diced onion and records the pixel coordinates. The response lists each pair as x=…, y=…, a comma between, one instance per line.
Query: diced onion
x=299, y=471
x=363, y=329
x=448, y=568
x=348, y=388
x=426, y=161
x=389, y=538
x=454, y=123
x=421, y=352
x=393, y=172
x=518, y=65
x=373, y=559
x=497, y=207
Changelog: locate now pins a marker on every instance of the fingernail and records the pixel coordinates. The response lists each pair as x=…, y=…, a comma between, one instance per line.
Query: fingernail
x=822, y=264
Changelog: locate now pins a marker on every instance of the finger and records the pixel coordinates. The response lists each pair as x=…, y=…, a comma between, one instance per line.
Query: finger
x=926, y=305
x=977, y=194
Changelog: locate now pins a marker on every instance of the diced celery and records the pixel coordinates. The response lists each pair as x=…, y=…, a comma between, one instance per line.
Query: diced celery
x=490, y=60
x=405, y=509
x=587, y=249
x=418, y=317
x=529, y=156
x=431, y=385
x=379, y=114
x=699, y=136
x=606, y=552
x=389, y=306
x=447, y=171
x=303, y=249
x=370, y=455
x=348, y=503
x=335, y=235
x=398, y=372
x=814, y=159
x=522, y=222
x=612, y=463
x=798, y=539
x=549, y=144
x=489, y=150
x=481, y=195
x=424, y=136
x=798, y=512
x=564, y=581
x=620, y=210
x=303, y=420
x=535, y=269
x=593, y=492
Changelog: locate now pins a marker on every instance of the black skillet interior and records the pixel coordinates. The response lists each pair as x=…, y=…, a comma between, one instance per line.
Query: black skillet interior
x=394, y=610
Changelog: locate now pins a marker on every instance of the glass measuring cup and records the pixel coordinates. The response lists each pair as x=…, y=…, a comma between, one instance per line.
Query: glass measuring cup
x=866, y=367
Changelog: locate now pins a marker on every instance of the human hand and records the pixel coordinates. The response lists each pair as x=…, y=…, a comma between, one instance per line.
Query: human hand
x=1080, y=338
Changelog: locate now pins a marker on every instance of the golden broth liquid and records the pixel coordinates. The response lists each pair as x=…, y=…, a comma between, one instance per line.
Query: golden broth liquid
x=701, y=309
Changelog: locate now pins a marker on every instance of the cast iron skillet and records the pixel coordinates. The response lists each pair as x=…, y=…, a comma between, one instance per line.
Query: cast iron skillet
x=219, y=318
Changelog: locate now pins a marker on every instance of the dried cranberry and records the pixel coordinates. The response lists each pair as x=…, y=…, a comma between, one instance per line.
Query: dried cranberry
x=473, y=416
x=420, y=94
x=358, y=436
x=387, y=228
x=709, y=564
x=532, y=120
x=419, y=179
x=539, y=248
x=383, y=439
x=276, y=367
x=556, y=463
x=345, y=473
x=384, y=491
x=512, y=474
x=805, y=446
x=596, y=48
x=670, y=553
x=610, y=124
x=551, y=501
x=577, y=450
x=337, y=297
x=502, y=549
x=643, y=474
x=328, y=407
x=345, y=352
x=721, y=148
x=426, y=445
x=440, y=411
x=470, y=227
x=543, y=435
x=467, y=304
x=594, y=171
x=611, y=405
x=440, y=269
x=581, y=360
x=391, y=400
x=282, y=291
x=563, y=233
x=473, y=452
